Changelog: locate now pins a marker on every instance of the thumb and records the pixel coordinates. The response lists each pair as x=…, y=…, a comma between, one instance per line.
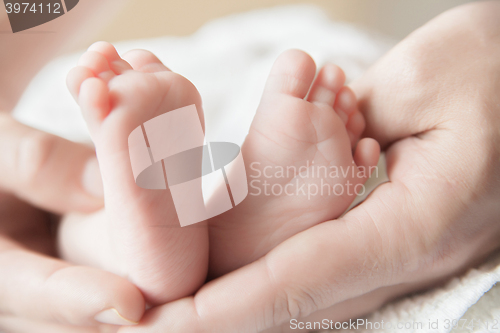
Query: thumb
x=52, y=290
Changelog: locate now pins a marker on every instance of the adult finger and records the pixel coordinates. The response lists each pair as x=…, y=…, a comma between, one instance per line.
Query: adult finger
x=15, y=324
x=47, y=171
x=37, y=287
x=357, y=307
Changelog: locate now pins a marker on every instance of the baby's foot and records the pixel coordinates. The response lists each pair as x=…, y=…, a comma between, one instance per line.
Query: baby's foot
x=146, y=242
x=299, y=161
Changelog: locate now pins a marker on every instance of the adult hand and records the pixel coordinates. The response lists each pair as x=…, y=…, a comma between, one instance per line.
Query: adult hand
x=39, y=293
x=433, y=104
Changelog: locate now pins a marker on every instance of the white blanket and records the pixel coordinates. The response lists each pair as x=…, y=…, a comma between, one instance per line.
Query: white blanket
x=228, y=60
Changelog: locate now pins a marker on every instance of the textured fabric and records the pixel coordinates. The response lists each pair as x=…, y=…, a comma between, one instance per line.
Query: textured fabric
x=442, y=309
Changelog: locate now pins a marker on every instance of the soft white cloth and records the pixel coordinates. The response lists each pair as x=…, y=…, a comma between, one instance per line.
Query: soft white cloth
x=442, y=309
x=228, y=60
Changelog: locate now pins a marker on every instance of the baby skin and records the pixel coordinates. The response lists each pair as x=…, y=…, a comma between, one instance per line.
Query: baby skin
x=303, y=127
x=299, y=160
x=138, y=234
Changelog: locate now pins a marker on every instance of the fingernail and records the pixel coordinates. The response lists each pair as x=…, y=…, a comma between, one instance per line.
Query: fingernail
x=92, y=181
x=113, y=317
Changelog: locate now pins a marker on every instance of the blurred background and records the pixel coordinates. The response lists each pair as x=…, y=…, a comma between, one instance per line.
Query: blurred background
x=154, y=18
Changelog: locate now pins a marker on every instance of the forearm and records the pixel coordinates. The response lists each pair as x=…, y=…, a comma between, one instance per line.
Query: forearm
x=24, y=53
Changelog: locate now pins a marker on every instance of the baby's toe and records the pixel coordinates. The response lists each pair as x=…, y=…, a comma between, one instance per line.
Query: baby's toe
x=145, y=61
x=355, y=127
x=94, y=102
x=292, y=74
x=106, y=49
x=366, y=155
x=346, y=107
x=330, y=80
x=75, y=79
x=98, y=64
x=345, y=103
x=115, y=62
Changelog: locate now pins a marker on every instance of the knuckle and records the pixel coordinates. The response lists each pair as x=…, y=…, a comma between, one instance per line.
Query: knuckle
x=289, y=304
x=283, y=309
x=288, y=301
